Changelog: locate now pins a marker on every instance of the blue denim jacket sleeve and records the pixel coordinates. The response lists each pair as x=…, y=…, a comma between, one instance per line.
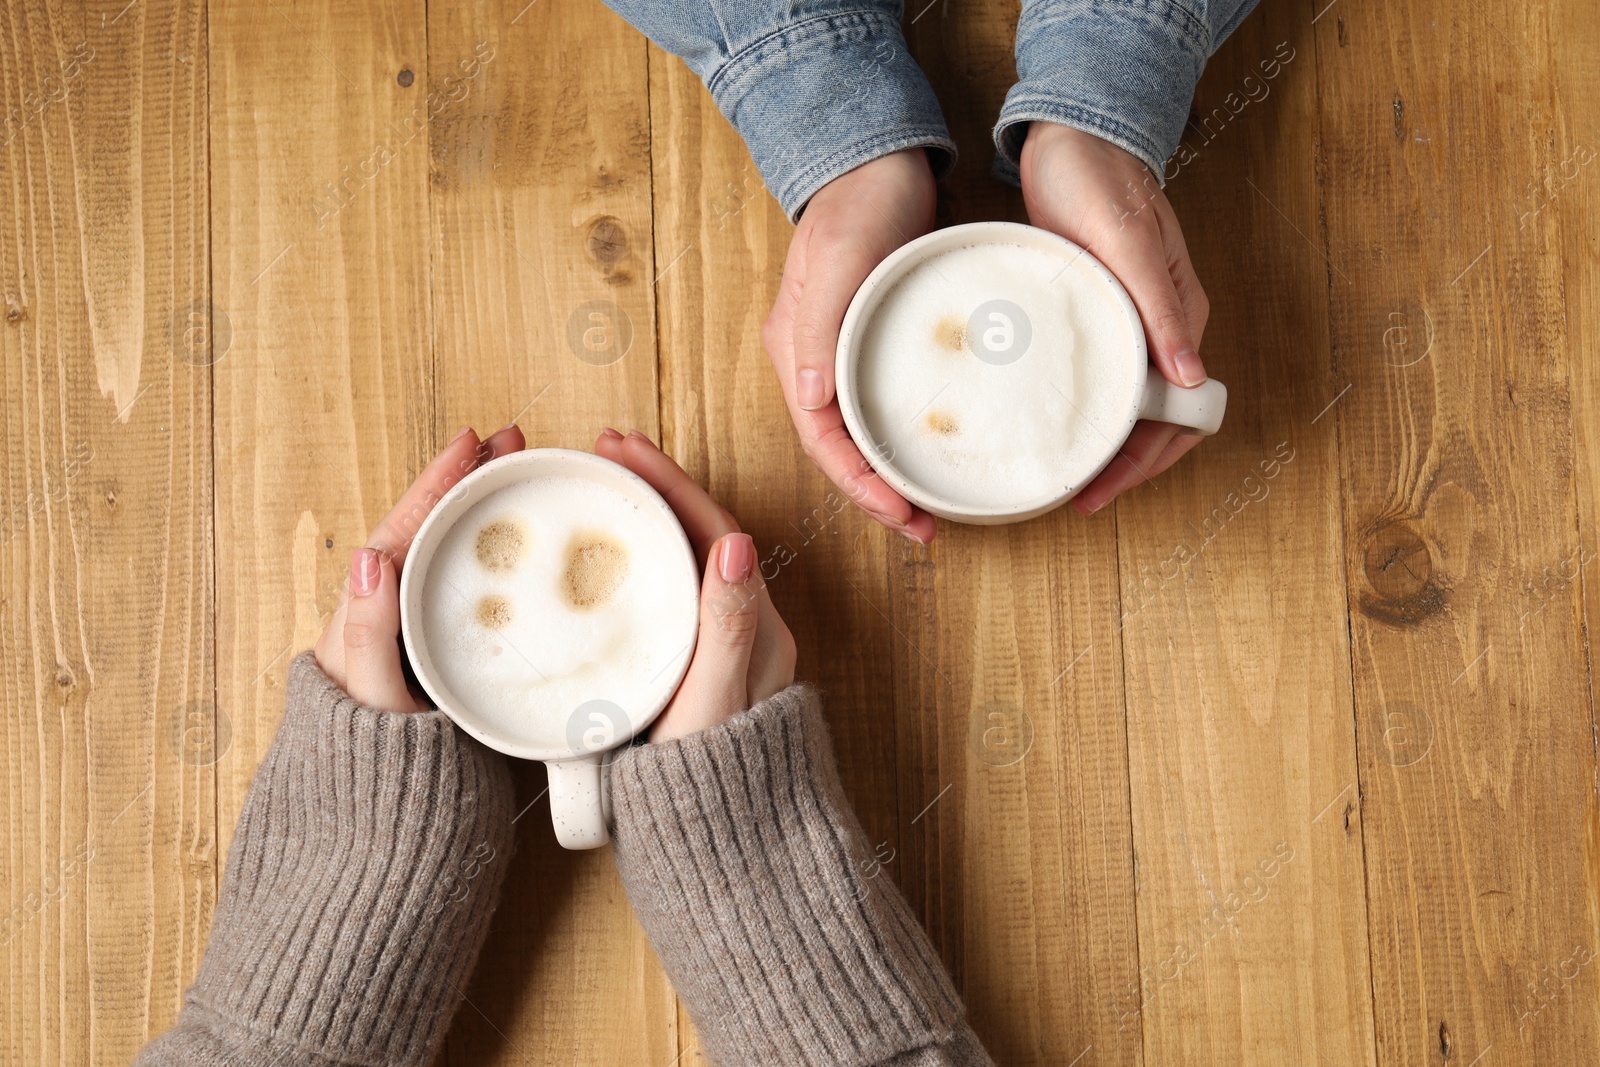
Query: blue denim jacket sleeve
x=815, y=87
x=1124, y=70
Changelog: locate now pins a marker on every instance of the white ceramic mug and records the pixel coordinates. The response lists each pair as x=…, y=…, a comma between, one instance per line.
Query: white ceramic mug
x=580, y=804
x=1197, y=410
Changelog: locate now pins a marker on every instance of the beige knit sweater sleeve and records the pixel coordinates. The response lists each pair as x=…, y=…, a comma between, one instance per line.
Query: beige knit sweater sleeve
x=368, y=861
x=359, y=886
x=746, y=866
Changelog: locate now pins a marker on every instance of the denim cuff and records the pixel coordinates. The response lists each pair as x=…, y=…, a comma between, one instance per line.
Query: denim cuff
x=1123, y=70
x=821, y=97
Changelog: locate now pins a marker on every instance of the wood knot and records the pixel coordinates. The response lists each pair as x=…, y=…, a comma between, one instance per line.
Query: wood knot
x=1399, y=570
x=15, y=312
x=1397, y=562
x=607, y=242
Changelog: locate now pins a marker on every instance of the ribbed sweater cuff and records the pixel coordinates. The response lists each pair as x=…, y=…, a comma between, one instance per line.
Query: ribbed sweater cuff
x=744, y=862
x=365, y=867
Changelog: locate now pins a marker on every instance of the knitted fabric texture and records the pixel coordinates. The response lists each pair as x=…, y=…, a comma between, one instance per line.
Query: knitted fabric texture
x=359, y=886
x=748, y=869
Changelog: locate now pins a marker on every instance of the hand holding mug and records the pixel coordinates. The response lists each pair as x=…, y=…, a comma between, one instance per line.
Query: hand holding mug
x=848, y=228
x=744, y=653
x=992, y=371
x=553, y=608
x=1101, y=197
x=360, y=648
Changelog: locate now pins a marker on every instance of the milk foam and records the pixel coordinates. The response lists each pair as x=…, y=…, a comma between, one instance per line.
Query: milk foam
x=550, y=593
x=997, y=434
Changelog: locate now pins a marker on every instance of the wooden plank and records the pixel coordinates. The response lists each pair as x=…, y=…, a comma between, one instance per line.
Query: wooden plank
x=541, y=221
x=1024, y=868
x=860, y=601
x=109, y=862
x=1571, y=191
x=1010, y=690
x=967, y=50
x=1242, y=745
x=1460, y=499
x=722, y=240
x=321, y=262
x=1462, y=491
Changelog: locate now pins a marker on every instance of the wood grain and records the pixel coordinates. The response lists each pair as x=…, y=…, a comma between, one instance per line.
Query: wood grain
x=1458, y=493
x=1252, y=916
x=1570, y=85
x=1319, y=788
x=320, y=259
x=722, y=239
x=1010, y=689
x=109, y=866
x=541, y=216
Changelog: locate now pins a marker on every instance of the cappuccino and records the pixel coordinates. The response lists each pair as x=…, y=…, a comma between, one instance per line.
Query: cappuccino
x=997, y=375
x=552, y=594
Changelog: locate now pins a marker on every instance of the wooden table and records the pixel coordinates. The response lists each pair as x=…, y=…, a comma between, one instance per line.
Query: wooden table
x=1288, y=758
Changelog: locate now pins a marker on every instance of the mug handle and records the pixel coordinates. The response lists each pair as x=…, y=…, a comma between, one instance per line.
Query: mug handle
x=580, y=802
x=1198, y=410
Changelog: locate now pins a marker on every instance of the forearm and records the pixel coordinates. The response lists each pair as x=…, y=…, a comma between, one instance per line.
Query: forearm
x=359, y=886
x=1124, y=70
x=815, y=88
x=742, y=855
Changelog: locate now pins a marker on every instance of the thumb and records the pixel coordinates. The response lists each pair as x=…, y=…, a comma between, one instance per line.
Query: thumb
x=373, y=675
x=831, y=282
x=716, y=687
x=1141, y=265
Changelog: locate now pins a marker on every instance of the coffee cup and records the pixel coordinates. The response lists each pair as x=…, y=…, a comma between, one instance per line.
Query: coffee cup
x=989, y=371
x=549, y=606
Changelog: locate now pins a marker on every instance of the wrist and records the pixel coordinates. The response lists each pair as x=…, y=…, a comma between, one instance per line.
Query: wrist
x=1044, y=131
x=908, y=173
x=1044, y=135
x=674, y=727
x=1055, y=157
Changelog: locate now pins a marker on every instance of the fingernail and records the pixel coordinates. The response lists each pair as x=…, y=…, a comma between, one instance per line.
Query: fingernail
x=640, y=436
x=738, y=558
x=460, y=434
x=888, y=520
x=609, y=432
x=808, y=389
x=913, y=538
x=1191, y=371
x=364, y=571
x=506, y=427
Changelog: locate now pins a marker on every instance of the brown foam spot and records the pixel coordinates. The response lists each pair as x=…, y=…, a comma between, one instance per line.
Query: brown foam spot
x=596, y=565
x=942, y=423
x=501, y=544
x=951, y=333
x=494, y=611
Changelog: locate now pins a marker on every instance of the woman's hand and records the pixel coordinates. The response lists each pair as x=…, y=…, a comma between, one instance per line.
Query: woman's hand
x=744, y=653
x=360, y=650
x=849, y=227
x=1099, y=196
